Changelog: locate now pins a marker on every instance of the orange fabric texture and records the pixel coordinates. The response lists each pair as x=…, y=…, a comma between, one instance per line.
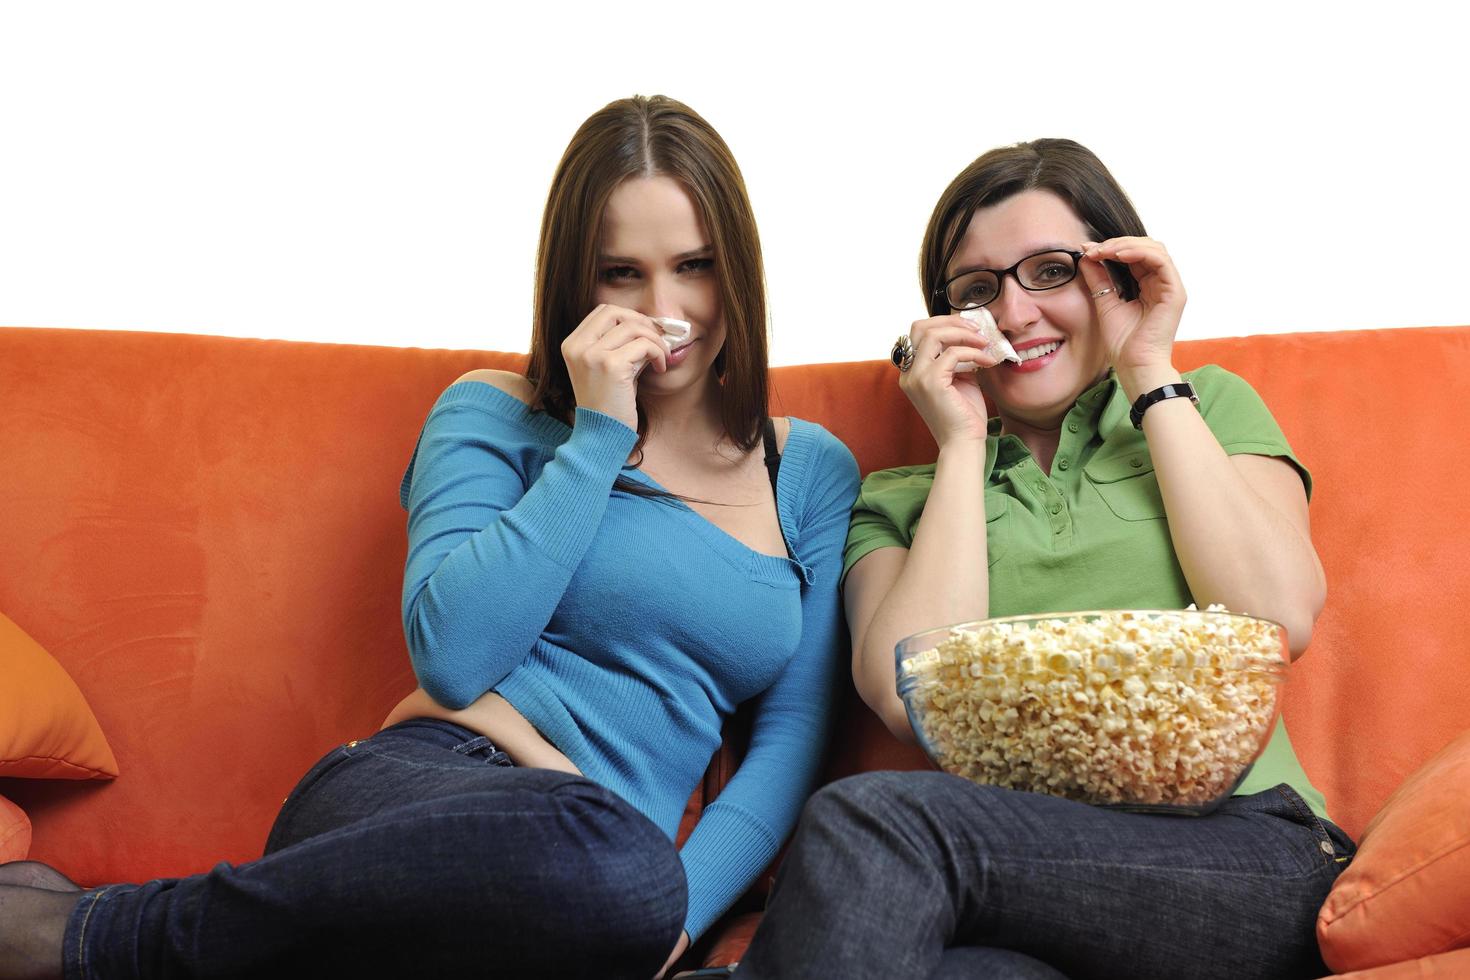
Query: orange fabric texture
x=1445, y=966
x=205, y=532
x=47, y=731
x=15, y=832
x=1407, y=893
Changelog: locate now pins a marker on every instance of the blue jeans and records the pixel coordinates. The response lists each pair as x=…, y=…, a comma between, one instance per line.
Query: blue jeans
x=421, y=851
x=925, y=875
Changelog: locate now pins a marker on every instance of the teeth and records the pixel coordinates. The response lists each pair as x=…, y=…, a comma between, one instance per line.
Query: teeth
x=1040, y=350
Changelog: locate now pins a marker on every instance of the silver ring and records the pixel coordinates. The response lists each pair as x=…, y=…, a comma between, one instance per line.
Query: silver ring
x=1100, y=293
x=902, y=354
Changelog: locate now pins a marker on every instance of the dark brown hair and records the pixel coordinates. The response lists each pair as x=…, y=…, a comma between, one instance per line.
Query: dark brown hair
x=647, y=137
x=1066, y=168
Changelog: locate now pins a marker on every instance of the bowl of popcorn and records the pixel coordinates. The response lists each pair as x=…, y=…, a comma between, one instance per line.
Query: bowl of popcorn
x=1151, y=710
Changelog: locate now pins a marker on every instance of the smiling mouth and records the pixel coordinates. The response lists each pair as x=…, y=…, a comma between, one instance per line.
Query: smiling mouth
x=1037, y=350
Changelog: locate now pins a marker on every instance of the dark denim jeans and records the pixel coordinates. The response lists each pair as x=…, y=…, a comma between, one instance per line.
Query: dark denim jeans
x=418, y=852
x=925, y=875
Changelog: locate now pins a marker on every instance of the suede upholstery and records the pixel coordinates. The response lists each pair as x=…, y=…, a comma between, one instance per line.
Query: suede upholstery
x=205, y=533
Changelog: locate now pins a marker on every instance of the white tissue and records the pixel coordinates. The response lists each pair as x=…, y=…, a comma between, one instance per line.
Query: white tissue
x=995, y=342
x=675, y=330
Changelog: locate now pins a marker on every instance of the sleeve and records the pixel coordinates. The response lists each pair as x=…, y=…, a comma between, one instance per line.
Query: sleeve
x=739, y=834
x=1239, y=418
x=887, y=511
x=490, y=552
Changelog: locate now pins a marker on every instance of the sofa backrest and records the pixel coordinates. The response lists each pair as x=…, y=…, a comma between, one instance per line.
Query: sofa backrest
x=206, y=533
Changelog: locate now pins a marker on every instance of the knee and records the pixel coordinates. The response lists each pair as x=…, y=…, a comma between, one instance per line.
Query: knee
x=630, y=873
x=866, y=800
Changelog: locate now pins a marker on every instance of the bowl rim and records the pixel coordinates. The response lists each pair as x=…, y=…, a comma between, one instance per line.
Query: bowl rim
x=995, y=620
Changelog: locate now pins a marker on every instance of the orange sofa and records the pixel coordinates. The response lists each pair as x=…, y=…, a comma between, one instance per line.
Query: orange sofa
x=205, y=532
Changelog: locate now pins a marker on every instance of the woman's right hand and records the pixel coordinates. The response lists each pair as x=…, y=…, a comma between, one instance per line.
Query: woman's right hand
x=605, y=355
x=948, y=399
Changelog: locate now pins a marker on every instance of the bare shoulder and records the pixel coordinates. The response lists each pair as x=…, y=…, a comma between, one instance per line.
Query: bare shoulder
x=507, y=381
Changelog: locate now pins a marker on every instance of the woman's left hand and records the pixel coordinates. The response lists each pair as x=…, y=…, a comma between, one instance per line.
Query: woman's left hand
x=1139, y=334
x=679, y=948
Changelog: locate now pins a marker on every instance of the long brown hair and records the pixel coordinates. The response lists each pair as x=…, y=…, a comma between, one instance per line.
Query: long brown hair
x=1064, y=167
x=646, y=137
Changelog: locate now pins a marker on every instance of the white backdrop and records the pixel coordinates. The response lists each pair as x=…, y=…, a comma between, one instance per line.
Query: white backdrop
x=374, y=173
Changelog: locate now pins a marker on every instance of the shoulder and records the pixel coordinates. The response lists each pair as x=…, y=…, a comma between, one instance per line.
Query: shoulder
x=515, y=385
x=1218, y=388
x=811, y=448
x=496, y=404
x=899, y=481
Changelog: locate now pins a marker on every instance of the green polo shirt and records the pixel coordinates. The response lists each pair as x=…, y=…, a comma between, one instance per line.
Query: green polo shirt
x=1092, y=534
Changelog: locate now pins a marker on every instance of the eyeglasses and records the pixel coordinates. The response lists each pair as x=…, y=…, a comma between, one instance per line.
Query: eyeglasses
x=979, y=287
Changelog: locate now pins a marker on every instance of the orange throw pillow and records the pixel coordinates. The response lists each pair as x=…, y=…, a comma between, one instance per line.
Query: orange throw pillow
x=47, y=730
x=15, y=832
x=1407, y=892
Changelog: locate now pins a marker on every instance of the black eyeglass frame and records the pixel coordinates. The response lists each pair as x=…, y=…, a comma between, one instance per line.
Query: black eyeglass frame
x=942, y=293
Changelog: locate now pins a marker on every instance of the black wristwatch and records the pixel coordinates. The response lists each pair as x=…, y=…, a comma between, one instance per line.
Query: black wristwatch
x=1179, y=389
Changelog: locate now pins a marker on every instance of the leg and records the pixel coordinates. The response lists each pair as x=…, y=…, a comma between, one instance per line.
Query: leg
x=890, y=869
x=990, y=963
x=400, y=856
x=32, y=921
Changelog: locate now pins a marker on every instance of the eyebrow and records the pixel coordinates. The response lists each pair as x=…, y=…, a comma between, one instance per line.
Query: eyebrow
x=695, y=253
x=1035, y=250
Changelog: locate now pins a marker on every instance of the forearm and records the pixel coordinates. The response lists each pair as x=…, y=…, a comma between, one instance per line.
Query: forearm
x=482, y=582
x=944, y=579
x=1234, y=546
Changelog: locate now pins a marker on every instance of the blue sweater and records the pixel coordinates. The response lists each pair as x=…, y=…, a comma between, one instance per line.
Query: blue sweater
x=625, y=628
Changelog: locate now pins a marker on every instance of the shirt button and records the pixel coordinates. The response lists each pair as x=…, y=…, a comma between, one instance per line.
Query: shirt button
x=1136, y=463
x=1062, y=464
x=1041, y=488
x=1326, y=847
x=1056, y=508
x=1056, y=530
x=1072, y=426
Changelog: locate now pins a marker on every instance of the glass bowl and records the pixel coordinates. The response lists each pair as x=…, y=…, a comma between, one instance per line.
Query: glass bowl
x=1140, y=709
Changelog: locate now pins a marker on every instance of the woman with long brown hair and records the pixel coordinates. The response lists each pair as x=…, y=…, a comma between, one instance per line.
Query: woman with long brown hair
x=606, y=557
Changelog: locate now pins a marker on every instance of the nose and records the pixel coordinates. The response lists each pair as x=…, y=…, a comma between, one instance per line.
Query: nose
x=661, y=297
x=1014, y=309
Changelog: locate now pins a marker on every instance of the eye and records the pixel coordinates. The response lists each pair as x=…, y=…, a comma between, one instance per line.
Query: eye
x=696, y=266
x=1053, y=272
x=979, y=292
x=617, y=273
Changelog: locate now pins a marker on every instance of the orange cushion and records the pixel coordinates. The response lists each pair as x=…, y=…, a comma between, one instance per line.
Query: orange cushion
x=15, y=832
x=1445, y=966
x=47, y=730
x=1407, y=893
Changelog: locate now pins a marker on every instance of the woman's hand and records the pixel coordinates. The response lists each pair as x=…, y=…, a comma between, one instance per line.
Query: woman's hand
x=679, y=948
x=945, y=392
x=1139, y=335
x=605, y=355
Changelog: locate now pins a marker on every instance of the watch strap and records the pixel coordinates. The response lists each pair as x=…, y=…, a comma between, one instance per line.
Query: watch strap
x=1179, y=389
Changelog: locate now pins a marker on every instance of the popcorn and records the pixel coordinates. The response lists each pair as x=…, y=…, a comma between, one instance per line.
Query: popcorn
x=1130, y=708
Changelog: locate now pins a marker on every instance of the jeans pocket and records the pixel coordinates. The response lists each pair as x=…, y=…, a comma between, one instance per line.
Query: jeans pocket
x=1334, y=846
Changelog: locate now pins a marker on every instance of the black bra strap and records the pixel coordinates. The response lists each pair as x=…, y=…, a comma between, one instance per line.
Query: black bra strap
x=773, y=455
x=773, y=466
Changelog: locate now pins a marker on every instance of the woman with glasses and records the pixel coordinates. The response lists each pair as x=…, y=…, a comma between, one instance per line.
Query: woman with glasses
x=605, y=558
x=1106, y=479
